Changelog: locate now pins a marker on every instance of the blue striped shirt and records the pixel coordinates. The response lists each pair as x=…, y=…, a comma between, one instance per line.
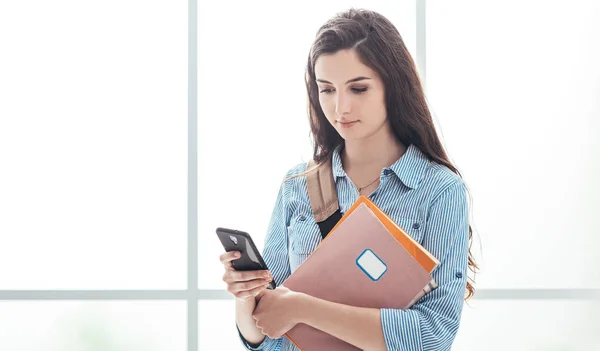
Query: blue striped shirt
x=428, y=201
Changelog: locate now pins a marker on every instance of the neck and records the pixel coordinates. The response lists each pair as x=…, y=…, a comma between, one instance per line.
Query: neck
x=376, y=152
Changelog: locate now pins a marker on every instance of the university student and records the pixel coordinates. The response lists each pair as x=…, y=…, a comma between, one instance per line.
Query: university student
x=369, y=116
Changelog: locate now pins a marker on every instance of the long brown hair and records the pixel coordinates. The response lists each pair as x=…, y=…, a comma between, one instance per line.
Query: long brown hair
x=379, y=46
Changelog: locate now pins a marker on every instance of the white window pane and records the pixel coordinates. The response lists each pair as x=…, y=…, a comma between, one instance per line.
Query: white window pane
x=252, y=119
x=515, y=86
x=526, y=325
x=93, y=145
x=494, y=325
x=216, y=327
x=91, y=326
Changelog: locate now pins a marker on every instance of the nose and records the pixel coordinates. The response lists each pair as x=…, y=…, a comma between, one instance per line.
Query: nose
x=343, y=104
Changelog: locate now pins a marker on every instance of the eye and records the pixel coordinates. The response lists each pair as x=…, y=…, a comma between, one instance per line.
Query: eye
x=356, y=90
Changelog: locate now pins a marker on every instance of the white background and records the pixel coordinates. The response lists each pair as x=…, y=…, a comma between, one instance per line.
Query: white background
x=93, y=145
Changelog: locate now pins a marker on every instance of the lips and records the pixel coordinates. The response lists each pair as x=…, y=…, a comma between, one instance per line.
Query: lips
x=347, y=124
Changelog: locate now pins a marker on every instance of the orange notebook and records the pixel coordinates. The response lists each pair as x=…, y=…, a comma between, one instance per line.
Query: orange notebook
x=365, y=261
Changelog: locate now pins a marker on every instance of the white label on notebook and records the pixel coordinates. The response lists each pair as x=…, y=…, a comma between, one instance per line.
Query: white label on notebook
x=371, y=264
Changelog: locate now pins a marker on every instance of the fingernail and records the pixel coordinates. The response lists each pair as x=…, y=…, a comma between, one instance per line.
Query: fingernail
x=237, y=254
x=266, y=275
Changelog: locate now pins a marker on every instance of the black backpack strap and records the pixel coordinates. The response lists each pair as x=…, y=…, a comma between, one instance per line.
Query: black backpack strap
x=323, y=195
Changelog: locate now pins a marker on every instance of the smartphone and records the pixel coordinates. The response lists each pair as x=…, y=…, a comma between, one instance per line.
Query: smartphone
x=251, y=260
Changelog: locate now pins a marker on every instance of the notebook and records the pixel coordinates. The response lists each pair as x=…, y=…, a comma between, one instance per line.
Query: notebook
x=365, y=261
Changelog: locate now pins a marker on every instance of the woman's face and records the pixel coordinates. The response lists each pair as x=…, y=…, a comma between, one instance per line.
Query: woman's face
x=351, y=95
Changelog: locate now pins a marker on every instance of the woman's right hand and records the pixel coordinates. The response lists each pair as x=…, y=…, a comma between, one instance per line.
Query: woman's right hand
x=243, y=284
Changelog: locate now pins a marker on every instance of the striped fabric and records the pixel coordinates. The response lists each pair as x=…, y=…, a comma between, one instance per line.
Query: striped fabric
x=426, y=199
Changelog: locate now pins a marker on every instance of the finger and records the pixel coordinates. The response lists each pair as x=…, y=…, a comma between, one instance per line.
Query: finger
x=246, y=286
x=234, y=276
x=229, y=266
x=252, y=292
x=230, y=256
x=244, y=276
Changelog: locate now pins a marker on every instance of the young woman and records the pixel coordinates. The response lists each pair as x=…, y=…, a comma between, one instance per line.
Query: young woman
x=368, y=115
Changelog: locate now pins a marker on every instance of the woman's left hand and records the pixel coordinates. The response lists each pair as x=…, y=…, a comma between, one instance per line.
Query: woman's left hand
x=277, y=311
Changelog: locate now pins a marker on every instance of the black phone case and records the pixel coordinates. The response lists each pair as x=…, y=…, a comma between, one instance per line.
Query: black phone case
x=236, y=240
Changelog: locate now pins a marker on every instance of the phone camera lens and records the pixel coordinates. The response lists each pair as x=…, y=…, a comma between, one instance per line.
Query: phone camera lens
x=234, y=239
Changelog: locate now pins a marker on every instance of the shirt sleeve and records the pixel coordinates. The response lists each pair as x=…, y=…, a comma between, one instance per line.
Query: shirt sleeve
x=275, y=255
x=432, y=323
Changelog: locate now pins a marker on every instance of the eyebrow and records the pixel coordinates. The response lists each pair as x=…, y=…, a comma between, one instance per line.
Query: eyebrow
x=349, y=81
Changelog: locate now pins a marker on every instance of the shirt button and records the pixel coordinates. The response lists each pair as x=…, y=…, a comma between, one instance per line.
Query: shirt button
x=458, y=275
x=387, y=171
x=301, y=218
x=416, y=226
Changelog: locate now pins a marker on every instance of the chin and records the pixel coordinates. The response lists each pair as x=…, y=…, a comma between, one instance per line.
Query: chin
x=352, y=136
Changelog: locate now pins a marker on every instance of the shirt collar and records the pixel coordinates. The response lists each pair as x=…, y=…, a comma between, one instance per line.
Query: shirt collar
x=410, y=168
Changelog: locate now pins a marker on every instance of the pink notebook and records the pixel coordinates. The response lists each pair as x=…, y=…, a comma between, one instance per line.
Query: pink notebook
x=360, y=263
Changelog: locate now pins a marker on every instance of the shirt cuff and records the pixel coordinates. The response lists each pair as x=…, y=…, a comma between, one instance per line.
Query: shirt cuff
x=401, y=329
x=267, y=344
